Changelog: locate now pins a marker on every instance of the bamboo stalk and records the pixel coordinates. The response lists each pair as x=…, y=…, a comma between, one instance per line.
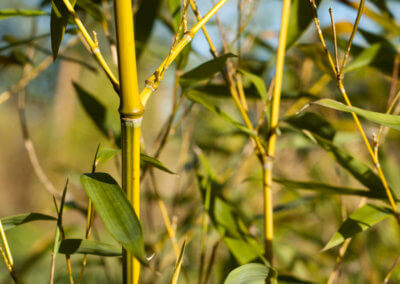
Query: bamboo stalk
x=268, y=164
x=131, y=112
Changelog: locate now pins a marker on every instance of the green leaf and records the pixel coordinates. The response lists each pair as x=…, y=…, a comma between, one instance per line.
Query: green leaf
x=95, y=109
x=104, y=154
x=389, y=120
x=360, y=220
x=252, y=273
x=58, y=23
x=116, y=212
x=379, y=55
x=145, y=18
x=200, y=98
x=178, y=265
x=258, y=82
x=226, y=216
x=92, y=247
x=7, y=13
x=364, y=174
x=327, y=188
x=16, y=220
x=205, y=70
x=150, y=161
x=300, y=18
x=312, y=122
x=92, y=9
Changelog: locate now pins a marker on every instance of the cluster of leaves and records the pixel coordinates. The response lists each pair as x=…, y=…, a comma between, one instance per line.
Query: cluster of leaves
x=227, y=187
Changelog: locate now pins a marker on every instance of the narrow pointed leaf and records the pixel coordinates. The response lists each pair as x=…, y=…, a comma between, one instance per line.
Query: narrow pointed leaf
x=200, y=98
x=58, y=23
x=392, y=121
x=252, y=273
x=95, y=109
x=178, y=265
x=92, y=247
x=258, y=82
x=360, y=220
x=327, y=188
x=205, y=70
x=7, y=13
x=150, y=161
x=104, y=154
x=16, y=220
x=116, y=212
x=300, y=18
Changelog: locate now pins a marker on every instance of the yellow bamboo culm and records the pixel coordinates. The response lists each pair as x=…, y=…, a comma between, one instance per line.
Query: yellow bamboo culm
x=131, y=112
x=267, y=172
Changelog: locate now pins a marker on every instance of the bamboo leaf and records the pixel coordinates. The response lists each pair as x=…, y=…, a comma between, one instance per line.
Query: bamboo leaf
x=104, y=154
x=312, y=122
x=150, y=161
x=7, y=13
x=389, y=120
x=300, y=18
x=205, y=70
x=92, y=247
x=327, y=188
x=145, y=18
x=360, y=220
x=94, y=108
x=258, y=82
x=92, y=9
x=200, y=98
x=58, y=23
x=252, y=273
x=116, y=212
x=16, y=220
x=178, y=265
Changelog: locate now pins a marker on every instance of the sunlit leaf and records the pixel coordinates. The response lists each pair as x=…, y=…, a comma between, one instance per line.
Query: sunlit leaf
x=104, y=154
x=389, y=120
x=116, y=212
x=16, y=220
x=360, y=220
x=258, y=83
x=151, y=161
x=252, y=273
x=92, y=247
x=178, y=265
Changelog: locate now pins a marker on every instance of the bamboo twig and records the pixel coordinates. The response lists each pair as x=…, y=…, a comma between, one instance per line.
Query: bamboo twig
x=154, y=80
x=342, y=90
x=7, y=254
x=94, y=47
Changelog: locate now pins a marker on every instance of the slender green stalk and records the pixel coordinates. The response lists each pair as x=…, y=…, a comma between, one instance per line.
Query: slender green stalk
x=268, y=164
x=7, y=254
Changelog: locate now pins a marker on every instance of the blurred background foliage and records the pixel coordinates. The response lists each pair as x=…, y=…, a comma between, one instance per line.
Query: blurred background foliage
x=202, y=147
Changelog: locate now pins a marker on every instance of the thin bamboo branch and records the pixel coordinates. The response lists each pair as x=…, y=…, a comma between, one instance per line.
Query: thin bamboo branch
x=7, y=254
x=268, y=165
x=154, y=80
x=42, y=66
x=342, y=90
x=93, y=44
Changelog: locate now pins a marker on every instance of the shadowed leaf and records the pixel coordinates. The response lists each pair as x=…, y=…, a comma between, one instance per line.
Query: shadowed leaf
x=16, y=220
x=92, y=247
x=7, y=13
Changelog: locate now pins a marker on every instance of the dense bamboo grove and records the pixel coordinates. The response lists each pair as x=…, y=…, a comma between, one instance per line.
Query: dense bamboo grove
x=175, y=141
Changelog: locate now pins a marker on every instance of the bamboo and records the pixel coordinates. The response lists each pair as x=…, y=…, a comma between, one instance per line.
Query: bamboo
x=131, y=112
x=268, y=165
